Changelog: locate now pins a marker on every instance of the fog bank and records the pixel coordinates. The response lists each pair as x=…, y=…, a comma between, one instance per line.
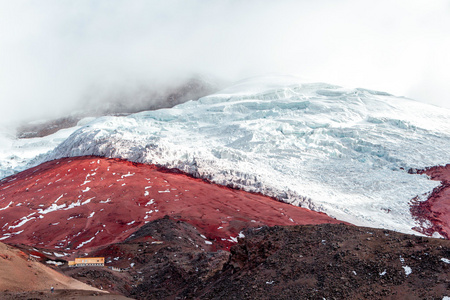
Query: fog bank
x=55, y=55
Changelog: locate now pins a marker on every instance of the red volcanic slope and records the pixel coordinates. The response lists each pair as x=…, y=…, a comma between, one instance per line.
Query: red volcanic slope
x=437, y=208
x=76, y=204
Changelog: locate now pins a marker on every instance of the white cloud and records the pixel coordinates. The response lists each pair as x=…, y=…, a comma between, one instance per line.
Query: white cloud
x=54, y=52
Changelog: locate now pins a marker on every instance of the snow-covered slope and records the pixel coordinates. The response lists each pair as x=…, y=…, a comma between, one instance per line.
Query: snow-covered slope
x=19, y=154
x=342, y=151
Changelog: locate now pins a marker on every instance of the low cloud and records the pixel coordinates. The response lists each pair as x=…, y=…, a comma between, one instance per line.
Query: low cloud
x=55, y=54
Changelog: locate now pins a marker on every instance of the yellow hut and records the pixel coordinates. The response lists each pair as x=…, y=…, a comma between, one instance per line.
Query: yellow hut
x=88, y=262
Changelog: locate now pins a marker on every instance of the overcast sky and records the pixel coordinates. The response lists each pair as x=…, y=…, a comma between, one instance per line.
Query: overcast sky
x=53, y=53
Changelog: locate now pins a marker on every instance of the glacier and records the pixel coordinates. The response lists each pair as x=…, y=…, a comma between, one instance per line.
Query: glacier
x=342, y=151
x=19, y=154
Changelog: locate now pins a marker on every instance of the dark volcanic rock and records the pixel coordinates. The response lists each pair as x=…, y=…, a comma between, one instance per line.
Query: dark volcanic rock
x=102, y=278
x=124, y=103
x=332, y=261
x=42, y=129
x=162, y=259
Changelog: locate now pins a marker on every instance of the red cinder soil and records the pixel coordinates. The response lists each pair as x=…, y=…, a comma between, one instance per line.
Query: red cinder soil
x=436, y=209
x=74, y=205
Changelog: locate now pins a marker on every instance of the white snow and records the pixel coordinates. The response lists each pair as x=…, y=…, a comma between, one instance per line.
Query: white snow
x=85, y=242
x=233, y=239
x=147, y=214
x=20, y=223
x=8, y=235
x=87, y=201
x=446, y=260
x=56, y=263
x=19, y=154
x=53, y=207
x=79, y=203
x=127, y=175
x=7, y=206
x=56, y=201
x=407, y=269
x=436, y=234
x=342, y=151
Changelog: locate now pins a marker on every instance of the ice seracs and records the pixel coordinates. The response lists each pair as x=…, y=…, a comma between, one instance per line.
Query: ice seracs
x=17, y=154
x=342, y=151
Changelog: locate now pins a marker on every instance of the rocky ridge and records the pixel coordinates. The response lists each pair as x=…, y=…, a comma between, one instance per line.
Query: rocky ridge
x=332, y=261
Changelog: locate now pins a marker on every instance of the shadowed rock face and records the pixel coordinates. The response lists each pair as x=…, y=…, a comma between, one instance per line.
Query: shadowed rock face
x=164, y=256
x=434, y=213
x=46, y=128
x=74, y=205
x=332, y=261
x=124, y=103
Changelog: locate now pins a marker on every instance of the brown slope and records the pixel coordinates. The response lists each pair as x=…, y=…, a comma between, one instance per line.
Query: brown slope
x=77, y=204
x=19, y=272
